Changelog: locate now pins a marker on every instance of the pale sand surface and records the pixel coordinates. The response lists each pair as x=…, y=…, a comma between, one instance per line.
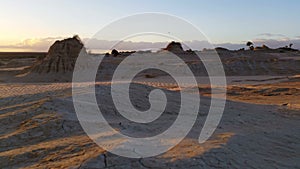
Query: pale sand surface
x=40, y=129
x=259, y=128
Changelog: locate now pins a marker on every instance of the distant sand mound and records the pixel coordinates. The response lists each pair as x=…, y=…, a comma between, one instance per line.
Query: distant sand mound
x=61, y=57
x=263, y=47
x=174, y=47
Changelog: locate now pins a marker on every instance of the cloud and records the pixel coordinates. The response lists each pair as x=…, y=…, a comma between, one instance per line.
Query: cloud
x=275, y=43
x=129, y=45
x=122, y=45
x=36, y=44
x=231, y=46
x=271, y=35
x=43, y=44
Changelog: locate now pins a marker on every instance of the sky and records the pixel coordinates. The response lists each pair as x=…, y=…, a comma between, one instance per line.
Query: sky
x=34, y=24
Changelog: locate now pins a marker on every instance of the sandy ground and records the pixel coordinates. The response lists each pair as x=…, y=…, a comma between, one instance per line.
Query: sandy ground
x=259, y=128
x=41, y=130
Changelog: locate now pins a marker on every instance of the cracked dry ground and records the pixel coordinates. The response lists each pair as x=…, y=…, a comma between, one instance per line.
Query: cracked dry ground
x=34, y=134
